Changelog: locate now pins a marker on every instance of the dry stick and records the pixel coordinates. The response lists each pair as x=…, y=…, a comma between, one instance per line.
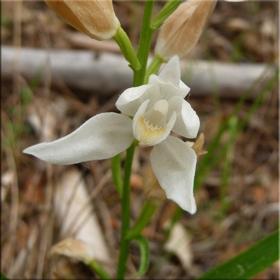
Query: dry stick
x=111, y=74
x=14, y=207
x=48, y=220
x=12, y=162
x=14, y=212
x=106, y=218
x=21, y=258
x=17, y=43
x=31, y=264
x=94, y=193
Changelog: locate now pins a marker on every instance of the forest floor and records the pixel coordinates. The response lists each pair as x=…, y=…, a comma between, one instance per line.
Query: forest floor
x=237, y=199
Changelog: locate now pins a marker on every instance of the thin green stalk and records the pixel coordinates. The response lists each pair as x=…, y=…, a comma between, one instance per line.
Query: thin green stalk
x=144, y=254
x=139, y=76
x=153, y=67
x=127, y=49
x=97, y=268
x=144, y=43
x=125, y=213
x=166, y=11
x=116, y=173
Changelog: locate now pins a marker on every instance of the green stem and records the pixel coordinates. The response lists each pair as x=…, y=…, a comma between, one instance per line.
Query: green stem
x=97, y=268
x=144, y=218
x=116, y=173
x=139, y=76
x=125, y=212
x=154, y=66
x=166, y=11
x=144, y=254
x=127, y=49
x=144, y=43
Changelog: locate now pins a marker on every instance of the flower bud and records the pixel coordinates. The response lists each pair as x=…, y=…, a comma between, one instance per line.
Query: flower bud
x=181, y=31
x=96, y=18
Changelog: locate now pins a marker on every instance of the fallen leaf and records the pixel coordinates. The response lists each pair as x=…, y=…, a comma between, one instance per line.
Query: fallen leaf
x=179, y=244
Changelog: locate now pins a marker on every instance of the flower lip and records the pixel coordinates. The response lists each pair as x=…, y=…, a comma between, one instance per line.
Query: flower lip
x=151, y=125
x=174, y=163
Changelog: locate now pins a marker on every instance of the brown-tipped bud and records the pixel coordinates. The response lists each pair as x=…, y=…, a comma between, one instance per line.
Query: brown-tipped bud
x=198, y=145
x=181, y=31
x=96, y=18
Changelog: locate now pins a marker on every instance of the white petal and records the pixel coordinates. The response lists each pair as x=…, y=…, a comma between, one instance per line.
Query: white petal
x=171, y=72
x=168, y=90
x=129, y=101
x=187, y=122
x=184, y=88
x=150, y=137
x=102, y=136
x=174, y=163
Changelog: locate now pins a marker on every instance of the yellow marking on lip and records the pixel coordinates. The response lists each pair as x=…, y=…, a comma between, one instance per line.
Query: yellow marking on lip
x=148, y=130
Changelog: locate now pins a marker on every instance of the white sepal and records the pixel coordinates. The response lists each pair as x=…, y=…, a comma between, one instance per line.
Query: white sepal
x=174, y=163
x=102, y=136
x=129, y=101
x=171, y=71
x=187, y=123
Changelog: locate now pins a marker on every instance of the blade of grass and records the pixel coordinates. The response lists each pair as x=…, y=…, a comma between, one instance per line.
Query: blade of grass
x=216, y=150
x=227, y=163
x=250, y=262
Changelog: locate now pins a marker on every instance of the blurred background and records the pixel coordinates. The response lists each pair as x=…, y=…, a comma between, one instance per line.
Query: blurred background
x=45, y=97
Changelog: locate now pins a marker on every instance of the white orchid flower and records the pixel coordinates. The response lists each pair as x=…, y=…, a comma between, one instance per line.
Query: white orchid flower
x=149, y=114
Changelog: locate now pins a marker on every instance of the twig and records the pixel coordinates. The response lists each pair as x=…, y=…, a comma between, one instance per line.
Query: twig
x=109, y=73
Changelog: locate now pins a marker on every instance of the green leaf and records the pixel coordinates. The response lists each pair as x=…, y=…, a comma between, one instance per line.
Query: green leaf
x=3, y=277
x=144, y=254
x=247, y=264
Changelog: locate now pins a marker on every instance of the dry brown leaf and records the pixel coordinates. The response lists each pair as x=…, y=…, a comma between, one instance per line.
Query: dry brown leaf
x=71, y=198
x=179, y=244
